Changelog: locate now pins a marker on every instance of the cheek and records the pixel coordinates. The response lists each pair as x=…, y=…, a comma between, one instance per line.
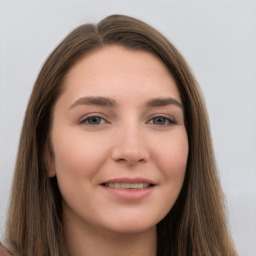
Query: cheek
x=74, y=155
x=77, y=161
x=172, y=154
x=172, y=161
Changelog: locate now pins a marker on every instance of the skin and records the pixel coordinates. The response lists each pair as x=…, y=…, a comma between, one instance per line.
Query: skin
x=128, y=137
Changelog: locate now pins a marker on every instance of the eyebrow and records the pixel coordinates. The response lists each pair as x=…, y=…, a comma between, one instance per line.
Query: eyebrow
x=99, y=101
x=160, y=102
x=108, y=102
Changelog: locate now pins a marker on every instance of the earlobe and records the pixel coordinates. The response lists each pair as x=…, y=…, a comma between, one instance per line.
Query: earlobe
x=49, y=161
x=50, y=167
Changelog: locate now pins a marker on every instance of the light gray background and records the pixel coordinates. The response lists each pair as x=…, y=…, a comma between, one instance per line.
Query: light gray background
x=218, y=39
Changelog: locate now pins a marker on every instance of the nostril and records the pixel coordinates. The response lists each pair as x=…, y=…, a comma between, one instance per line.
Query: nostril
x=121, y=160
x=130, y=161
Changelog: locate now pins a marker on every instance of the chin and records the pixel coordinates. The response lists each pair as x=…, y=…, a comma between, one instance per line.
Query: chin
x=131, y=225
x=128, y=229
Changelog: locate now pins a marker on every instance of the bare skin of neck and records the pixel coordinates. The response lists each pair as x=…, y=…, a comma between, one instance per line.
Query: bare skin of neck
x=91, y=241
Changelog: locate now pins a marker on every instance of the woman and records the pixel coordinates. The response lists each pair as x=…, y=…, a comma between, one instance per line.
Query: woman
x=115, y=156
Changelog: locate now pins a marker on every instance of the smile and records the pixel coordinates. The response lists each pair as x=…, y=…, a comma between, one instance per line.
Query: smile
x=127, y=188
x=127, y=185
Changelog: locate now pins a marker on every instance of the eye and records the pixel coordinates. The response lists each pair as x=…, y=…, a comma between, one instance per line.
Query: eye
x=93, y=120
x=161, y=120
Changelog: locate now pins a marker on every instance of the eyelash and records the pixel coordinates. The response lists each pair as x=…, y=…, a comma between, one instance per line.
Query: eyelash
x=167, y=120
x=86, y=120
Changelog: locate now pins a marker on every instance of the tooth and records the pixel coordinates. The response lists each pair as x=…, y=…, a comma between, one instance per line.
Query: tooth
x=117, y=185
x=133, y=185
x=127, y=185
x=140, y=185
x=124, y=185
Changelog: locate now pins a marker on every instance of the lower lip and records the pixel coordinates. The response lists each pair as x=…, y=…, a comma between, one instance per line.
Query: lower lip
x=130, y=194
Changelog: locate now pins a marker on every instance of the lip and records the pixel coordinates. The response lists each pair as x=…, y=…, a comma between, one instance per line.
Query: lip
x=129, y=194
x=129, y=180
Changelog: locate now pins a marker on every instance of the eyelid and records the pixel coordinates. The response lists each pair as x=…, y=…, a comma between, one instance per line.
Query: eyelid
x=169, y=118
x=83, y=119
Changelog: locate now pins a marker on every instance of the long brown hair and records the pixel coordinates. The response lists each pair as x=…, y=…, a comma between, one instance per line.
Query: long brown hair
x=196, y=225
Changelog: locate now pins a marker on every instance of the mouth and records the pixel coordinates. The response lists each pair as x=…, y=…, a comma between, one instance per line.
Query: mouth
x=127, y=185
x=129, y=189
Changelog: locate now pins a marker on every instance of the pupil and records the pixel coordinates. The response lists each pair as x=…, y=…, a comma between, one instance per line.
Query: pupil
x=94, y=120
x=159, y=120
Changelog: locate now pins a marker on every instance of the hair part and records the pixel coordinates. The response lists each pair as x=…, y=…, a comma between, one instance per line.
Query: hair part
x=196, y=225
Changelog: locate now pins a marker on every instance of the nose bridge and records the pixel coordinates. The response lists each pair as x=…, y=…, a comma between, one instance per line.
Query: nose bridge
x=130, y=146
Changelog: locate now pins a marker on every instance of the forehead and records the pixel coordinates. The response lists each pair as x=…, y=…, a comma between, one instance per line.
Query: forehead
x=115, y=70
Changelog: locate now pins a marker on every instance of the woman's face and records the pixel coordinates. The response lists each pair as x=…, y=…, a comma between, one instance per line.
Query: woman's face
x=119, y=141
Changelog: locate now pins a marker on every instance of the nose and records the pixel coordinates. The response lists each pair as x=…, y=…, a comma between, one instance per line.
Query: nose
x=130, y=147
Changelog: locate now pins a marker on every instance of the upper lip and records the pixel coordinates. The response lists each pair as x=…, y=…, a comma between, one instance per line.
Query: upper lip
x=129, y=180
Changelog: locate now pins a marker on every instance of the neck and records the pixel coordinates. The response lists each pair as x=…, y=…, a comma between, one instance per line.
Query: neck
x=91, y=241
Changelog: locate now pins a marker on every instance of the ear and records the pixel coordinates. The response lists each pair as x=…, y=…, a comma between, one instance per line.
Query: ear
x=49, y=160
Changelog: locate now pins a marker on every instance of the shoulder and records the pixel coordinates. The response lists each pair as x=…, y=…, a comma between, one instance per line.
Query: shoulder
x=4, y=251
